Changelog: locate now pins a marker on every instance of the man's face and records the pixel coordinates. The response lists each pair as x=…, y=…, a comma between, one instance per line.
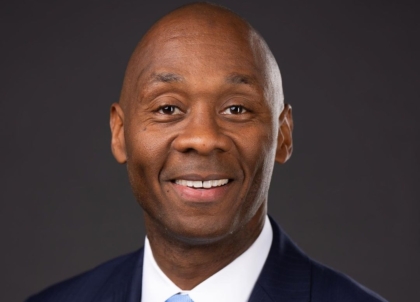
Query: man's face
x=200, y=134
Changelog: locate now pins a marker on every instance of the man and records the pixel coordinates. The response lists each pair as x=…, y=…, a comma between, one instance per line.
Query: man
x=200, y=122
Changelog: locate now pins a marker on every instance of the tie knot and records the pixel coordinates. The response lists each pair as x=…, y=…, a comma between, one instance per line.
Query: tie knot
x=179, y=298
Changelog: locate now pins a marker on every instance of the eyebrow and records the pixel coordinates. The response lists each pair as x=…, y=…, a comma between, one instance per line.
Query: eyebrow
x=236, y=78
x=166, y=77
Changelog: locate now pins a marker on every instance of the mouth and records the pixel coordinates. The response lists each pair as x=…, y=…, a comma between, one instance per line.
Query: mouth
x=201, y=191
x=198, y=184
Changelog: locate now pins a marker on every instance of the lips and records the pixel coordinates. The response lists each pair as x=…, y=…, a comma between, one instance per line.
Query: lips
x=194, y=188
x=206, y=184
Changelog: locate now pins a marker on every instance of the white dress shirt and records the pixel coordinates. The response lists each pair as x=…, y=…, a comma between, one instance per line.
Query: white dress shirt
x=234, y=282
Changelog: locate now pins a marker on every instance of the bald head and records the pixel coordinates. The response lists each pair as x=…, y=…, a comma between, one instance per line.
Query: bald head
x=188, y=33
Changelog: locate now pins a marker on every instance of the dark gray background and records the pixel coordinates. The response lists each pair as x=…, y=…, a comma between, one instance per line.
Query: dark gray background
x=349, y=196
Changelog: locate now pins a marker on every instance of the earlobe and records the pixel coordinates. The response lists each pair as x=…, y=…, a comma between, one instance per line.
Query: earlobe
x=116, y=123
x=284, y=141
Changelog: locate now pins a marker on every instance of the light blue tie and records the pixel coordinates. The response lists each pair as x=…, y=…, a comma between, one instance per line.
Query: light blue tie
x=179, y=298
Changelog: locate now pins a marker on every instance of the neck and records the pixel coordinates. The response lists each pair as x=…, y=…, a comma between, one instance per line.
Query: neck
x=187, y=265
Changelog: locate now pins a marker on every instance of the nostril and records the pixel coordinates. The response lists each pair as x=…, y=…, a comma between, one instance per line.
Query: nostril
x=189, y=150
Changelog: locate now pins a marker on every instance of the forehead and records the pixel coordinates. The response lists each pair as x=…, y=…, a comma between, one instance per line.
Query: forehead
x=200, y=49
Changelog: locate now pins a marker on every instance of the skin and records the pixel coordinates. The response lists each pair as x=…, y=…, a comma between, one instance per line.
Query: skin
x=201, y=100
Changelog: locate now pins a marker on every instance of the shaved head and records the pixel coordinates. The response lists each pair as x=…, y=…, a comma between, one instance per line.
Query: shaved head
x=204, y=21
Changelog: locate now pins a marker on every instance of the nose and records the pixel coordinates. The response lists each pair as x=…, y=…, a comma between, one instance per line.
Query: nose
x=202, y=134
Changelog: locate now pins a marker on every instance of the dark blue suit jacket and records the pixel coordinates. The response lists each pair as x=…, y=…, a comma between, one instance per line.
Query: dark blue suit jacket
x=287, y=276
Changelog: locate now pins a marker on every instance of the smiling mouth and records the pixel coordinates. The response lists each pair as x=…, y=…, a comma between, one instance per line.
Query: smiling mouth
x=198, y=184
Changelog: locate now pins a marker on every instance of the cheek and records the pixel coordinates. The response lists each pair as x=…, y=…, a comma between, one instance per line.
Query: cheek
x=146, y=154
x=146, y=144
x=143, y=146
x=257, y=149
x=258, y=161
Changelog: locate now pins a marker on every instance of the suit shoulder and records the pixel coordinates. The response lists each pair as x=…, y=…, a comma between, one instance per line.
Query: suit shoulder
x=330, y=285
x=85, y=287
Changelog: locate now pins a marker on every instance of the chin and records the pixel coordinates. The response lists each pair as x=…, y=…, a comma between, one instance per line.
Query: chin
x=200, y=232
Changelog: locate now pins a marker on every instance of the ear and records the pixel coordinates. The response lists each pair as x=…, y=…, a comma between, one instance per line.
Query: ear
x=284, y=140
x=116, y=121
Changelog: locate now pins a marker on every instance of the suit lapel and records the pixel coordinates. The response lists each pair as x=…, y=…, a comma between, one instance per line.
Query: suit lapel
x=286, y=275
x=124, y=285
x=136, y=282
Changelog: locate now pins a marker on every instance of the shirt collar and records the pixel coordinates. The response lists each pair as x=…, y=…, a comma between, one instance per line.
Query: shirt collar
x=234, y=282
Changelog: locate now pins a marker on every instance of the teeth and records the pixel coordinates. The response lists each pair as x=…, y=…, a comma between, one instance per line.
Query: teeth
x=207, y=184
x=202, y=184
x=198, y=184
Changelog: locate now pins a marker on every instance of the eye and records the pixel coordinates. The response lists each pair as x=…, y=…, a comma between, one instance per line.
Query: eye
x=169, y=110
x=236, y=109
